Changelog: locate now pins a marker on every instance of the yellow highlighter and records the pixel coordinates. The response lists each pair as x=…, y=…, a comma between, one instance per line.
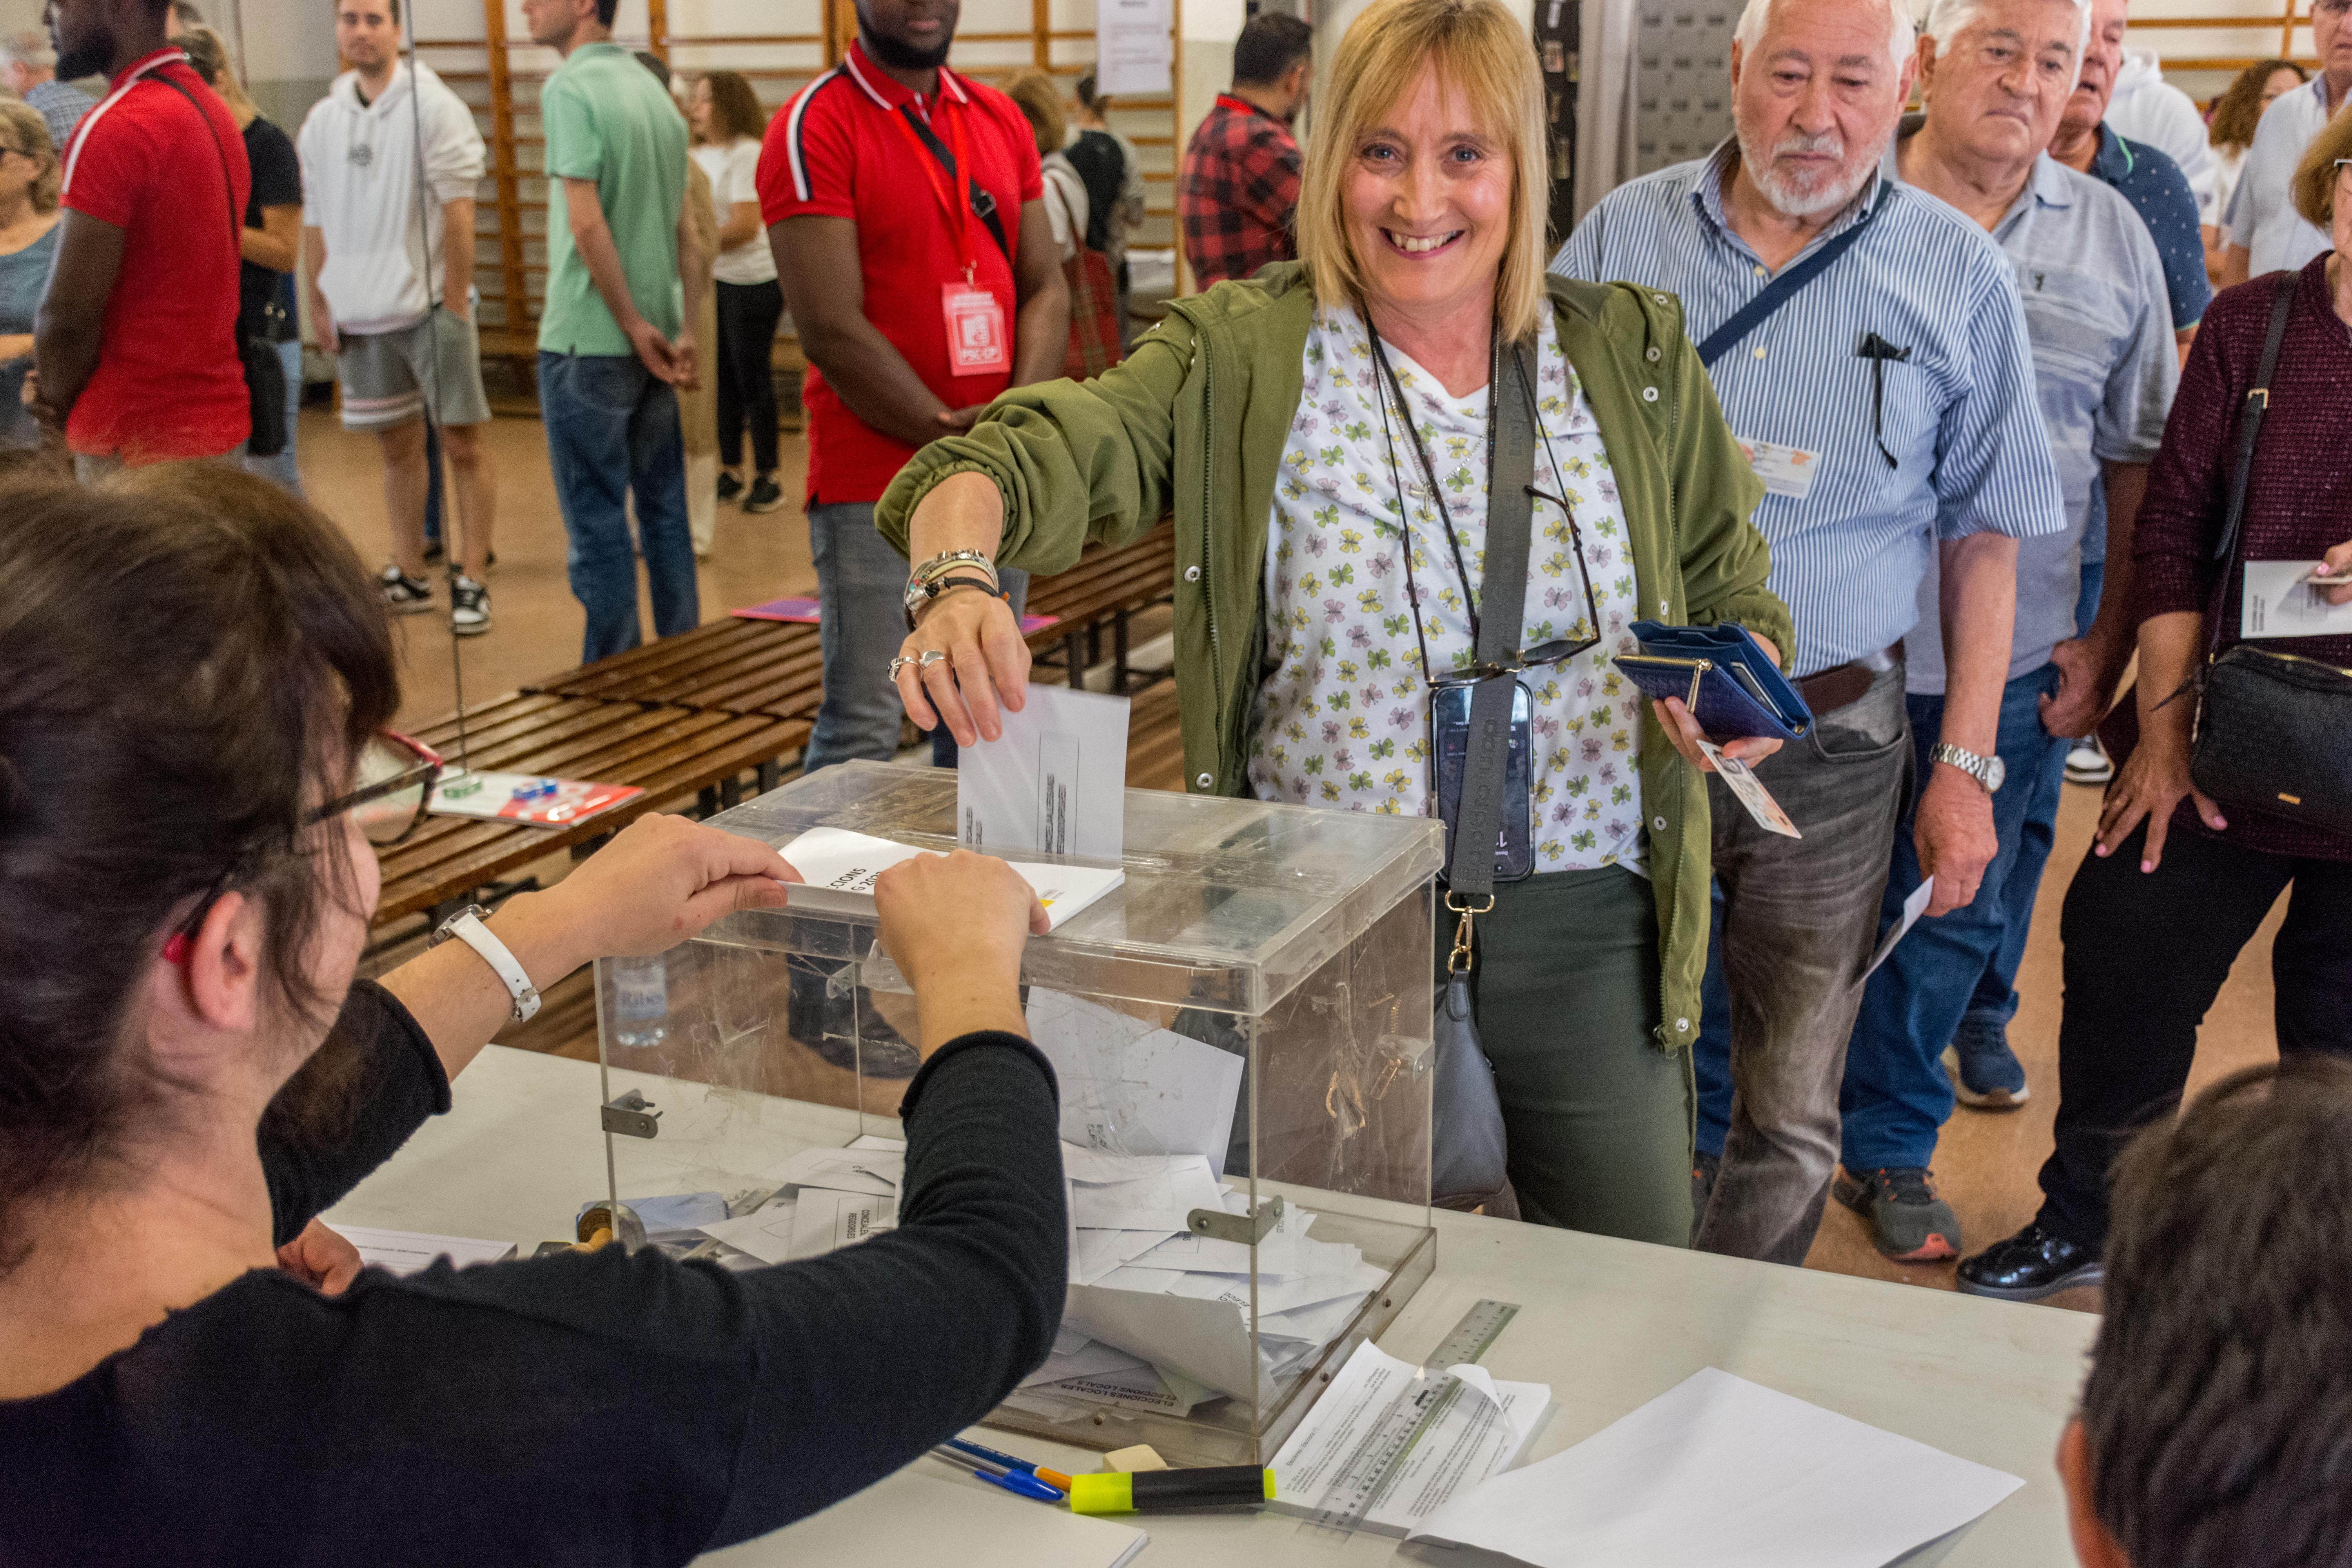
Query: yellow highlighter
x=1167, y=1491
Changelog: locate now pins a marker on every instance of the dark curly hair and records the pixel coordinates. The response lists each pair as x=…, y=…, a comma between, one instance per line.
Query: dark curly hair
x=188, y=659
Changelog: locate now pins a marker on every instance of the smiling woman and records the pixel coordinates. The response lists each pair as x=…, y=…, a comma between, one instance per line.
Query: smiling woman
x=1320, y=433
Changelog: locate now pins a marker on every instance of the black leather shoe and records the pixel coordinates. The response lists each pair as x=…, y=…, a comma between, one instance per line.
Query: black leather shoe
x=2029, y=1266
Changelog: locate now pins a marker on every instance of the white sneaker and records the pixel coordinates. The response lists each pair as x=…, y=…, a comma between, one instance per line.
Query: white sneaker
x=2088, y=762
x=404, y=595
x=469, y=606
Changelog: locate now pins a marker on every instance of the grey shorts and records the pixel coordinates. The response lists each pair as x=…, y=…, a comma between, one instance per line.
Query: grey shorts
x=386, y=375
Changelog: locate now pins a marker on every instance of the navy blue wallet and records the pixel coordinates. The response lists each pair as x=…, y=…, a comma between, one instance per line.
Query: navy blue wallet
x=1722, y=676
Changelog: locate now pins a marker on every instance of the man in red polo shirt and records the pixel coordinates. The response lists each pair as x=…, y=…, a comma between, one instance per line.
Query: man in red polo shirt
x=1237, y=190
x=135, y=347
x=905, y=210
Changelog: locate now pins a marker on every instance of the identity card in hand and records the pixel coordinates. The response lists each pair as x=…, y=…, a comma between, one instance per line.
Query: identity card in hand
x=1054, y=783
x=1750, y=790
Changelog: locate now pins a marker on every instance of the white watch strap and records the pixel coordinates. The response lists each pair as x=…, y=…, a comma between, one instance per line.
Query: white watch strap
x=469, y=929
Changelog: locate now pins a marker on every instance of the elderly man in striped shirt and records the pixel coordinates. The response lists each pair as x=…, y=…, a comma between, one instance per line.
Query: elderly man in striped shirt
x=1869, y=351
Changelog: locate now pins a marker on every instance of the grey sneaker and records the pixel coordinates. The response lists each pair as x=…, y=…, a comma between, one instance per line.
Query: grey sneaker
x=404, y=595
x=469, y=606
x=1907, y=1221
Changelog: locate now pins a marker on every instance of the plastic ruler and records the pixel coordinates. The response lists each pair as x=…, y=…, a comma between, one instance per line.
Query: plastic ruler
x=1372, y=1469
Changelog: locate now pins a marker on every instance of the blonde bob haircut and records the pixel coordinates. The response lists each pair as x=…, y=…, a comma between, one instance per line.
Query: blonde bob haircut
x=2314, y=186
x=1487, y=65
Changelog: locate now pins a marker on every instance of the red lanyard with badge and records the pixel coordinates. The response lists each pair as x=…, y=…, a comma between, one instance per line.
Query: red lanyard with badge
x=977, y=341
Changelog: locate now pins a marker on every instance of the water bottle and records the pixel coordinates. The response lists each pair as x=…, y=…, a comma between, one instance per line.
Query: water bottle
x=640, y=1002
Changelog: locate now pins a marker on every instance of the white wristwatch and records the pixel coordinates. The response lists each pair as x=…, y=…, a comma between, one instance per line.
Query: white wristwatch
x=467, y=926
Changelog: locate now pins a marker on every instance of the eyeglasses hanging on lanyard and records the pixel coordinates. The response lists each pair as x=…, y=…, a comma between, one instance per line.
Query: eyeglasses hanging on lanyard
x=1557, y=651
x=972, y=315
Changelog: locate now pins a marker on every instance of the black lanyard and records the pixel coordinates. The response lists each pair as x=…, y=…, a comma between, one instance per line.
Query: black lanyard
x=1566, y=647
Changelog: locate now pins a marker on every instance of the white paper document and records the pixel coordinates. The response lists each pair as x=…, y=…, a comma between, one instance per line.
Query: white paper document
x=1913, y=908
x=409, y=1252
x=1134, y=1088
x=1715, y=1460
x=1484, y=1425
x=836, y=865
x=2278, y=602
x=766, y=1235
x=1054, y=783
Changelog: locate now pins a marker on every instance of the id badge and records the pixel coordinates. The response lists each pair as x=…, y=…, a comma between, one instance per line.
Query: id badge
x=1786, y=470
x=1449, y=733
x=976, y=337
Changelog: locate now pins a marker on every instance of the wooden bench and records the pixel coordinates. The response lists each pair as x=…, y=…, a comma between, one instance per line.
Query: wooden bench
x=667, y=751
x=777, y=668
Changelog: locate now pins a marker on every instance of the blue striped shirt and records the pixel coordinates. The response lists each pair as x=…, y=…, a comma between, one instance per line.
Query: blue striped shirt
x=1960, y=416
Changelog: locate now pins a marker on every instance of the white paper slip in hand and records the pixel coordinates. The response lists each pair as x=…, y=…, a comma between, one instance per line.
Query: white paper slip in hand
x=2281, y=603
x=1054, y=783
x=838, y=868
x=1751, y=791
x=1913, y=908
x=409, y=1252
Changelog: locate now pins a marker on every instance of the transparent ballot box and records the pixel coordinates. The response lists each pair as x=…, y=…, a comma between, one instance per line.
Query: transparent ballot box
x=1241, y=1031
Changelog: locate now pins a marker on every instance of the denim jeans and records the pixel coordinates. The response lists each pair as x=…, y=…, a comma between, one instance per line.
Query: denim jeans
x=861, y=583
x=612, y=433
x=1897, y=1096
x=281, y=468
x=1799, y=918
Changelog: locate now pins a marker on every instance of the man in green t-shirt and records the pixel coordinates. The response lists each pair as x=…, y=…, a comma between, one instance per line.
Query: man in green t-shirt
x=623, y=281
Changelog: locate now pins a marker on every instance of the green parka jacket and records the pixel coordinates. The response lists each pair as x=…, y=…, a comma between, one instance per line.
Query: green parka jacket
x=1194, y=423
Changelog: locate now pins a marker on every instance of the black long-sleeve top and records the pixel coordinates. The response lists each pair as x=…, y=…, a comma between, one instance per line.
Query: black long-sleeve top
x=582, y=1409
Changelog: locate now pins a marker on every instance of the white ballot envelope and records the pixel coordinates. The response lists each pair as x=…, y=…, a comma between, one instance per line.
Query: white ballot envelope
x=1054, y=783
x=1913, y=908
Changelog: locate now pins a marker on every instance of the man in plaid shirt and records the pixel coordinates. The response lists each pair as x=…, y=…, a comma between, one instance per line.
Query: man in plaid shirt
x=1239, y=185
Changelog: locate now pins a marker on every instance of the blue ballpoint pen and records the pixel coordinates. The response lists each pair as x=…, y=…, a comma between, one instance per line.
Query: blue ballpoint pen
x=1013, y=1481
x=1053, y=1478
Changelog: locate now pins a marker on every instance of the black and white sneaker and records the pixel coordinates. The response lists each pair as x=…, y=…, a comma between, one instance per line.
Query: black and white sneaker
x=729, y=487
x=469, y=606
x=404, y=595
x=766, y=494
x=2088, y=763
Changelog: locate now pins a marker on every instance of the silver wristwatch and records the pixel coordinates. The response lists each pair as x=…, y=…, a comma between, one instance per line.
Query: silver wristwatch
x=1986, y=771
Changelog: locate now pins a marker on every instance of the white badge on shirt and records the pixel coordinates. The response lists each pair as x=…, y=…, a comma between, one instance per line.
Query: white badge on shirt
x=1786, y=470
x=975, y=320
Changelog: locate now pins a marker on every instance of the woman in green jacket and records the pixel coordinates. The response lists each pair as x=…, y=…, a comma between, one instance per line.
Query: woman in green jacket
x=1320, y=587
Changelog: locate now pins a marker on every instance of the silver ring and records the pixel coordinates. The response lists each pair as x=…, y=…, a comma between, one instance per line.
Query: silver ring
x=931, y=657
x=898, y=664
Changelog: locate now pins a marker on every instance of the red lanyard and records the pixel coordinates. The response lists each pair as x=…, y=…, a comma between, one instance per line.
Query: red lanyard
x=959, y=214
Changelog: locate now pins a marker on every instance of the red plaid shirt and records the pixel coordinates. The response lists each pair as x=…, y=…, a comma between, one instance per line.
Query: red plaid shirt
x=1237, y=192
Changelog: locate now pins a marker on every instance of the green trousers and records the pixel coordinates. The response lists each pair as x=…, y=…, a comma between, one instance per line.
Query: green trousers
x=1598, y=1116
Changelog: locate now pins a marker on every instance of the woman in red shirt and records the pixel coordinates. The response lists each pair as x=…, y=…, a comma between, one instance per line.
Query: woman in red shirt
x=2173, y=888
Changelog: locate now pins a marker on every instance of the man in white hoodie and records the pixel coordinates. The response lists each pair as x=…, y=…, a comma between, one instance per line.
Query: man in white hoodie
x=391, y=290
x=2147, y=108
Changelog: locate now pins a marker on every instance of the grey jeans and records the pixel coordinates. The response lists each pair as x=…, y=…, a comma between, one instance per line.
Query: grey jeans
x=861, y=622
x=1800, y=918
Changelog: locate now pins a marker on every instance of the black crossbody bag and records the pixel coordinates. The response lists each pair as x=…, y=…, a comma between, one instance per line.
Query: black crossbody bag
x=2274, y=730
x=264, y=373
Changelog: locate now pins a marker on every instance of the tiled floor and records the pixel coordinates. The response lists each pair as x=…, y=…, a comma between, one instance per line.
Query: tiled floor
x=1986, y=1162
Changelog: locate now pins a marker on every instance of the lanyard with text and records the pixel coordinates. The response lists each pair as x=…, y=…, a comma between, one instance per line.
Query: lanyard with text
x=974, y=317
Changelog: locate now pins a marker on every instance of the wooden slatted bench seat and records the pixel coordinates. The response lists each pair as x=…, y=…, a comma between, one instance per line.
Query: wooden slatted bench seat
x=667, y=751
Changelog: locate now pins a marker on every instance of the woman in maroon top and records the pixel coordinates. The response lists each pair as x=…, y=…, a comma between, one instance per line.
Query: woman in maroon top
x=2174, y=888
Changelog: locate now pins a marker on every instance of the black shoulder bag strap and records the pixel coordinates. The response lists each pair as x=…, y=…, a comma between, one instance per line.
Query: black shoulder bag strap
x=1782, y=289
x=983, y=203
x=228, y=182
x=2241, y=473
x=1502, y=606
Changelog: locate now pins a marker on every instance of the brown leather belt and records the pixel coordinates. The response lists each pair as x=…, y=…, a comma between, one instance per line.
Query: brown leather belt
x=1827, y=691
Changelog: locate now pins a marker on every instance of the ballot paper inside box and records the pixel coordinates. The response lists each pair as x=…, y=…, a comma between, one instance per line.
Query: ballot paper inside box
x=1241, y=1032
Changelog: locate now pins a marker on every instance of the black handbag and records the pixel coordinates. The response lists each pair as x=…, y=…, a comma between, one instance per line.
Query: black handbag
x=1468, y=1150
x=2274, y=730
x=264, y=373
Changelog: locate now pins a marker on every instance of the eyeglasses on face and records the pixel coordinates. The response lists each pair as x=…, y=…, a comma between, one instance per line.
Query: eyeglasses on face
x=393, y=782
